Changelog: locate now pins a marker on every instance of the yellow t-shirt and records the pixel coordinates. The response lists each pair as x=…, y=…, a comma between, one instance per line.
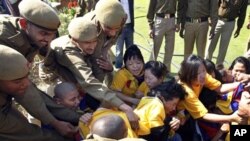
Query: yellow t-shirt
x=103, y=112
x=151, y=113
x=144, y=88
x=191, y=102
x=124, y=82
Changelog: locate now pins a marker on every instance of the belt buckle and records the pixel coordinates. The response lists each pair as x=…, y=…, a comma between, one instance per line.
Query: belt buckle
x=167, y=16
x=196, y=20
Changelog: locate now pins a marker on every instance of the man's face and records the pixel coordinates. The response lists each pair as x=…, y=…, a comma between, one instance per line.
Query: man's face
x=15, y=87
x=39, y=36
x=111, y=31
x=87, y=47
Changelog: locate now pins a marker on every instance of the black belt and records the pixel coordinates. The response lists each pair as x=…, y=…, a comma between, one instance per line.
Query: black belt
x=167, y=16
x=196, y=20
x=226, y=19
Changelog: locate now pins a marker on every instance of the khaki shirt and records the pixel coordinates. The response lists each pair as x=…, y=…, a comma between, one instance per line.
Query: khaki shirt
x=78, y=64
x=160, y=6
x=15, y=127
x=104, y=45
x=11, y=35
x=200, y=8
x=232, y=9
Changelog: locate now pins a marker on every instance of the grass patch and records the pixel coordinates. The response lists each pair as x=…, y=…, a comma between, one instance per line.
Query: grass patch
x=236, y=47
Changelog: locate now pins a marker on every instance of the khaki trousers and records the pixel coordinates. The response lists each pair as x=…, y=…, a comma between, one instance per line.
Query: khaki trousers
x=223, y=30
x=195, y=33
x=164, y=27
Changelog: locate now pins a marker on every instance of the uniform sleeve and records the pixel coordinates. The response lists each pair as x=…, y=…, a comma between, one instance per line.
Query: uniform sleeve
x=151, y=13
x=119, y=81
x=15, y=127
x=192, y=104
x=242, y=14
x=84, y=76
x=42, y=107
x=211, y=83
x=214, y=12
x=33, y=103
x=181, y=12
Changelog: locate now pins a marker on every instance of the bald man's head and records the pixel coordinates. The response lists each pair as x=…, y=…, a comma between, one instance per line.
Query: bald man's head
x=62, y=89
x=110, y=126
x=66, y=94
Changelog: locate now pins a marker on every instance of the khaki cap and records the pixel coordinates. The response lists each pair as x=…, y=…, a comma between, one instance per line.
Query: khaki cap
x=39, y=13
x=110, y=12
x=13, y=65
x=82, y=29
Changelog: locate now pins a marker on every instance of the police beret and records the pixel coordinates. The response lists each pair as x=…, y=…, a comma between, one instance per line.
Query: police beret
x=13, y=65
x=110, y=12
x=39, y=13
x=82, y=29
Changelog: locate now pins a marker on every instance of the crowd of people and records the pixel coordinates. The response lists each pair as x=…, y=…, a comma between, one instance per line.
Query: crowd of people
x=141, y=100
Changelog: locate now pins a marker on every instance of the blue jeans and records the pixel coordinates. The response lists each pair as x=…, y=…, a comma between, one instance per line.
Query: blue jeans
x=176, y=137
x=127, y=37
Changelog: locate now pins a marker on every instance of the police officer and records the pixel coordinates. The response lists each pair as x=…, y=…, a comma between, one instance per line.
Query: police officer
x=109, y=17
x=70, y=58
x=14, y=82
x=228, y=11
x=161, y=19
x=195, y=14
x=31, y=34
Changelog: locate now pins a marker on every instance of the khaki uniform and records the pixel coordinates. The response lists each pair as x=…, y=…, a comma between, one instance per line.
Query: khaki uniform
x=11, y=35
x=161, y=18
x=104, y=45
x=196, y=14
x=228, y=11
x=15, y=127
x=66, y=60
